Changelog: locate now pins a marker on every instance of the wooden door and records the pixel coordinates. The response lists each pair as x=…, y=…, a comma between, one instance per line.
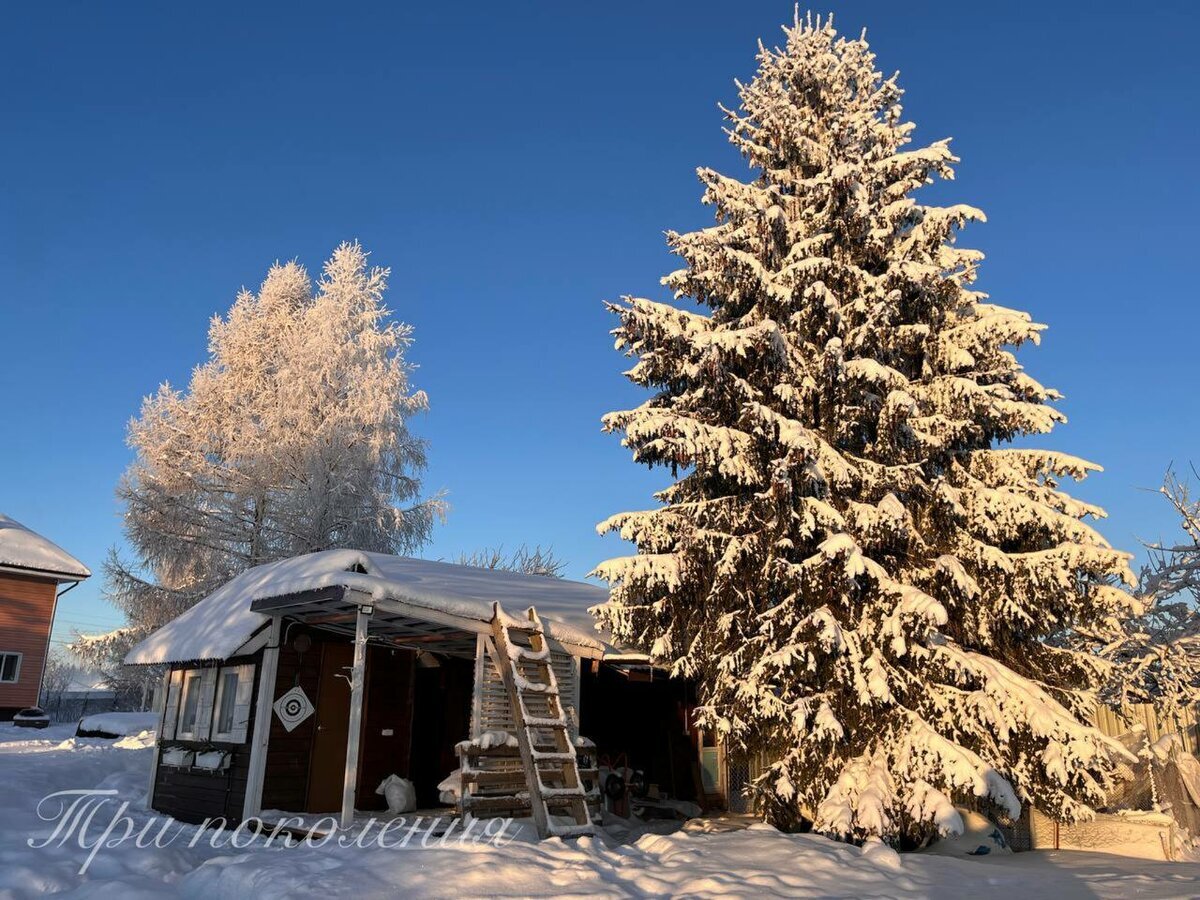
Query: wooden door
x=327, y=766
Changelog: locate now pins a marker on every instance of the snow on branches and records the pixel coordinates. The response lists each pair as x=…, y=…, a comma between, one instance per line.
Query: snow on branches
x=859, y=577
x=1156, y=659
x=291, y=438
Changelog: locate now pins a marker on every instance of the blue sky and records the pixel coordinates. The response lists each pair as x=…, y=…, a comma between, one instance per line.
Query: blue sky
x=515, y=166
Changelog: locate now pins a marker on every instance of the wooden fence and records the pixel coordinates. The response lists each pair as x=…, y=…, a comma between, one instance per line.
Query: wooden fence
x=1185, y=723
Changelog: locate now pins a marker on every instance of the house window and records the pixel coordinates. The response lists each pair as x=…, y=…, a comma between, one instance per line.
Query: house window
x=10, y=667
x=190, y=706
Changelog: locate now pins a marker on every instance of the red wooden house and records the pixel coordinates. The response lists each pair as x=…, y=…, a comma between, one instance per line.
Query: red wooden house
x=31, y=570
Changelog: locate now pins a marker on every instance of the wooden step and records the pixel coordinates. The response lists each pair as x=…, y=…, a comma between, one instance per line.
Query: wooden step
x=476, y=804
x=481, y=807
x=551, y=755
x=488, y=779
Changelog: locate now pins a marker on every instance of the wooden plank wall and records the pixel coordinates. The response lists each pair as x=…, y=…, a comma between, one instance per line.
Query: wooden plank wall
x=26, y=611
x=388, y=705
x=286, y=783
x=193, y=795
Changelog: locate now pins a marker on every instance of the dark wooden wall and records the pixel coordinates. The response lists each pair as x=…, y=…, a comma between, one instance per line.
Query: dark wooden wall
x=441, y=718
x=193, y=795
x=387, y=704
x=647, y=721
x=286, y=783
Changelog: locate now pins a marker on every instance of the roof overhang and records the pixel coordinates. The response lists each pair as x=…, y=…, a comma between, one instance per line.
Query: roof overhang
x=411, y=598
x=393, y=621
x=47, y=574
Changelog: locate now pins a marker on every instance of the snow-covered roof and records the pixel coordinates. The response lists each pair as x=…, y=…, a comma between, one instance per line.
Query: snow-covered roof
x=23, y=548
x=223, y=621
x=85, y=681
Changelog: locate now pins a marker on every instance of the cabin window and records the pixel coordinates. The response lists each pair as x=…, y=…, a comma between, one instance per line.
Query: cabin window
x=226, y=694
x=209, y=704
x=190, y=707
x=10, y=667
x=235, y=686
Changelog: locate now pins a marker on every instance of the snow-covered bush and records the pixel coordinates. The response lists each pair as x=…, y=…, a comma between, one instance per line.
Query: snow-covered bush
x=859, y=577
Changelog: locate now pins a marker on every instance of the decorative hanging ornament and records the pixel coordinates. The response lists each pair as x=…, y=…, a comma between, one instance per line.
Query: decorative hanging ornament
x=293, y=708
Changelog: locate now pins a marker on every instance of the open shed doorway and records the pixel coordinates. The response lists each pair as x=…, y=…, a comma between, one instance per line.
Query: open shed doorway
x=441, y=718
x=642, y=719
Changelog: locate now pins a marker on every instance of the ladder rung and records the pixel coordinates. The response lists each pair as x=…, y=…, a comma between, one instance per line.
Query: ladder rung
x=521, y=629
x=560, y=803
x=539, y=689
x=533, y=721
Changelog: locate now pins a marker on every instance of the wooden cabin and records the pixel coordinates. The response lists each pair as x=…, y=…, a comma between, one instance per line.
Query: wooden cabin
x=300, y=685
x=32, y=570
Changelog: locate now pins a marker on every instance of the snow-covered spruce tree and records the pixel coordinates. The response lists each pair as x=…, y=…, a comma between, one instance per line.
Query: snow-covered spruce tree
x=291, y=438
x=858, y=578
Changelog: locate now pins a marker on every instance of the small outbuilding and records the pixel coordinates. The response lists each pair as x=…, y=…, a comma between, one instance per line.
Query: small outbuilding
x=300, y=685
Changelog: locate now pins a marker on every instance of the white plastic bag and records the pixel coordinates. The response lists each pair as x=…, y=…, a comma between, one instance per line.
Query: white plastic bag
x=400, y=794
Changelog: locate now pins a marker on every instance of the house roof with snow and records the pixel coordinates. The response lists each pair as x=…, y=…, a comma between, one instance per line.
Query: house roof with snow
x=222, y=623
x=23, y=548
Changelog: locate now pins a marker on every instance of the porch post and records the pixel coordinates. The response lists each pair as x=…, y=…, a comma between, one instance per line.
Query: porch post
x=357, y=678
x=252, y=804
x=481, y=660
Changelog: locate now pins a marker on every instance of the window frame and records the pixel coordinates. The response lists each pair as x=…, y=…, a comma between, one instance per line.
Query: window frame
x=190, y=676
x=223, y=677
x=208, y=685
x=20, y=658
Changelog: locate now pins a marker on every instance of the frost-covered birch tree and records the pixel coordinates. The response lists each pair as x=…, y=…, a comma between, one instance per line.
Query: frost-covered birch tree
x=292, y=437
x=1156, y=658
x=523, y=560
x=857, y=573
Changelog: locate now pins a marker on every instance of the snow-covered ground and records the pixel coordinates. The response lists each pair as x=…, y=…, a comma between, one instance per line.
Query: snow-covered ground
x=701, y=861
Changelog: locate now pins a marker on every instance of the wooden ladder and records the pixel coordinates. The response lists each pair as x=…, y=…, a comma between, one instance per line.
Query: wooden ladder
x=547, y=752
